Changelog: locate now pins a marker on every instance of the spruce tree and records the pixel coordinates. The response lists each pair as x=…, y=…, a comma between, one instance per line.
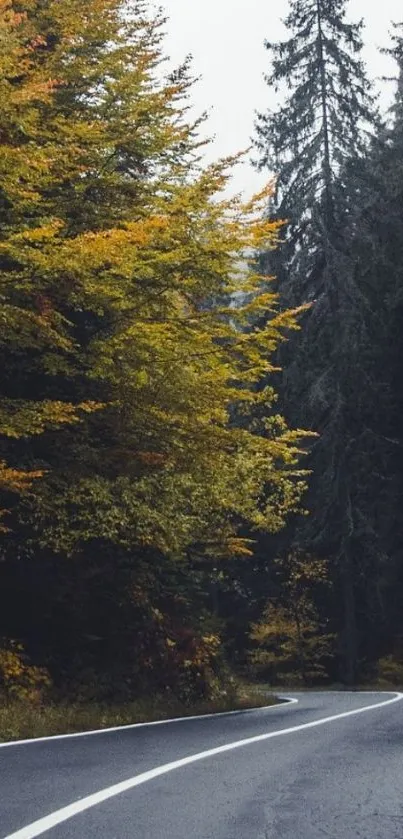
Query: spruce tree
x=309, y=142
x=376, y=250
x=308, y=139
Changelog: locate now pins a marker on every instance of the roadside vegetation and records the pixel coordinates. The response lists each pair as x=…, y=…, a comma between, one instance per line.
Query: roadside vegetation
x=201, y=397
x=25, y=720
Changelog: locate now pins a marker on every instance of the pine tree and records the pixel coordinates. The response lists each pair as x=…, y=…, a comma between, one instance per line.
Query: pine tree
x=308, y=139
x=310, y=142
x=376, y=250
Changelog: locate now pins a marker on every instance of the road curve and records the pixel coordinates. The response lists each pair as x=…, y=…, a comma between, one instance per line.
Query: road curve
x=329, y=765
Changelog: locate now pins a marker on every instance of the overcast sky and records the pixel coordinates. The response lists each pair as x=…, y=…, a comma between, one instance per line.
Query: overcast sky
x=225, y=38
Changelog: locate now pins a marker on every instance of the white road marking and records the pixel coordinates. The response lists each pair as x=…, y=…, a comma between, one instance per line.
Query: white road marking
x=40, y=826
x=287, y=700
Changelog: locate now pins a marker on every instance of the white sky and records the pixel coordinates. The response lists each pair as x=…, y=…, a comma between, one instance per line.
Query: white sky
x=225, y=38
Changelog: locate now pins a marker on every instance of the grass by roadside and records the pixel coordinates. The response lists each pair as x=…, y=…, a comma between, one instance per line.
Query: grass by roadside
x=21, y=720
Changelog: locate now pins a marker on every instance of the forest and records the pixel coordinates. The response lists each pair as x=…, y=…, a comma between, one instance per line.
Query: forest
x=201, y=397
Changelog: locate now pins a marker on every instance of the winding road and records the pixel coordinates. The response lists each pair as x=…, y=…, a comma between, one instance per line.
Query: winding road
x=325, y=765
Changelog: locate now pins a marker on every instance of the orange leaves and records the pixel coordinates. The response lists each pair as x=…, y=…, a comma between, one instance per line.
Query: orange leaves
x=232, y=546
x=18, y=678
x=37, y=42
x=152, y=459
x=17, y=480
x=44, y=306
x=36, y=91
x=11, y=18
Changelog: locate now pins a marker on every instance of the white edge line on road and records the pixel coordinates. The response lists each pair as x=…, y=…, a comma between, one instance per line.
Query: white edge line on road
x=286, y=700
x=40, y=826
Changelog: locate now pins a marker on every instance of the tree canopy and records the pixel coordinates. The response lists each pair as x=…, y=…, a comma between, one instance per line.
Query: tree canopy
x=123, y=354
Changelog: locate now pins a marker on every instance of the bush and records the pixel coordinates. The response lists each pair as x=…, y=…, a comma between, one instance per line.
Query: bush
x=390, y=669
x=18, y=678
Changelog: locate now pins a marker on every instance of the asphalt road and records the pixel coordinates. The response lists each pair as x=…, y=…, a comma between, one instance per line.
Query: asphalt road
x=303, y=776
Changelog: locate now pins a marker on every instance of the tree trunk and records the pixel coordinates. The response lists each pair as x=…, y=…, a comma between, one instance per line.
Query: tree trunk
x=349, y=663
x=326, y=165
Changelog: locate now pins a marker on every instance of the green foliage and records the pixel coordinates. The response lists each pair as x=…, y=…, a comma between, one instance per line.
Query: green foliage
x=123, y=356
x=390, y=670
x=335, y=378
x=291, y=642
x=317, y=127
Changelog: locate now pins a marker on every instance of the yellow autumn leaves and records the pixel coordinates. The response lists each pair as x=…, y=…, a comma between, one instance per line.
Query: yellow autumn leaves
x=120, y=258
